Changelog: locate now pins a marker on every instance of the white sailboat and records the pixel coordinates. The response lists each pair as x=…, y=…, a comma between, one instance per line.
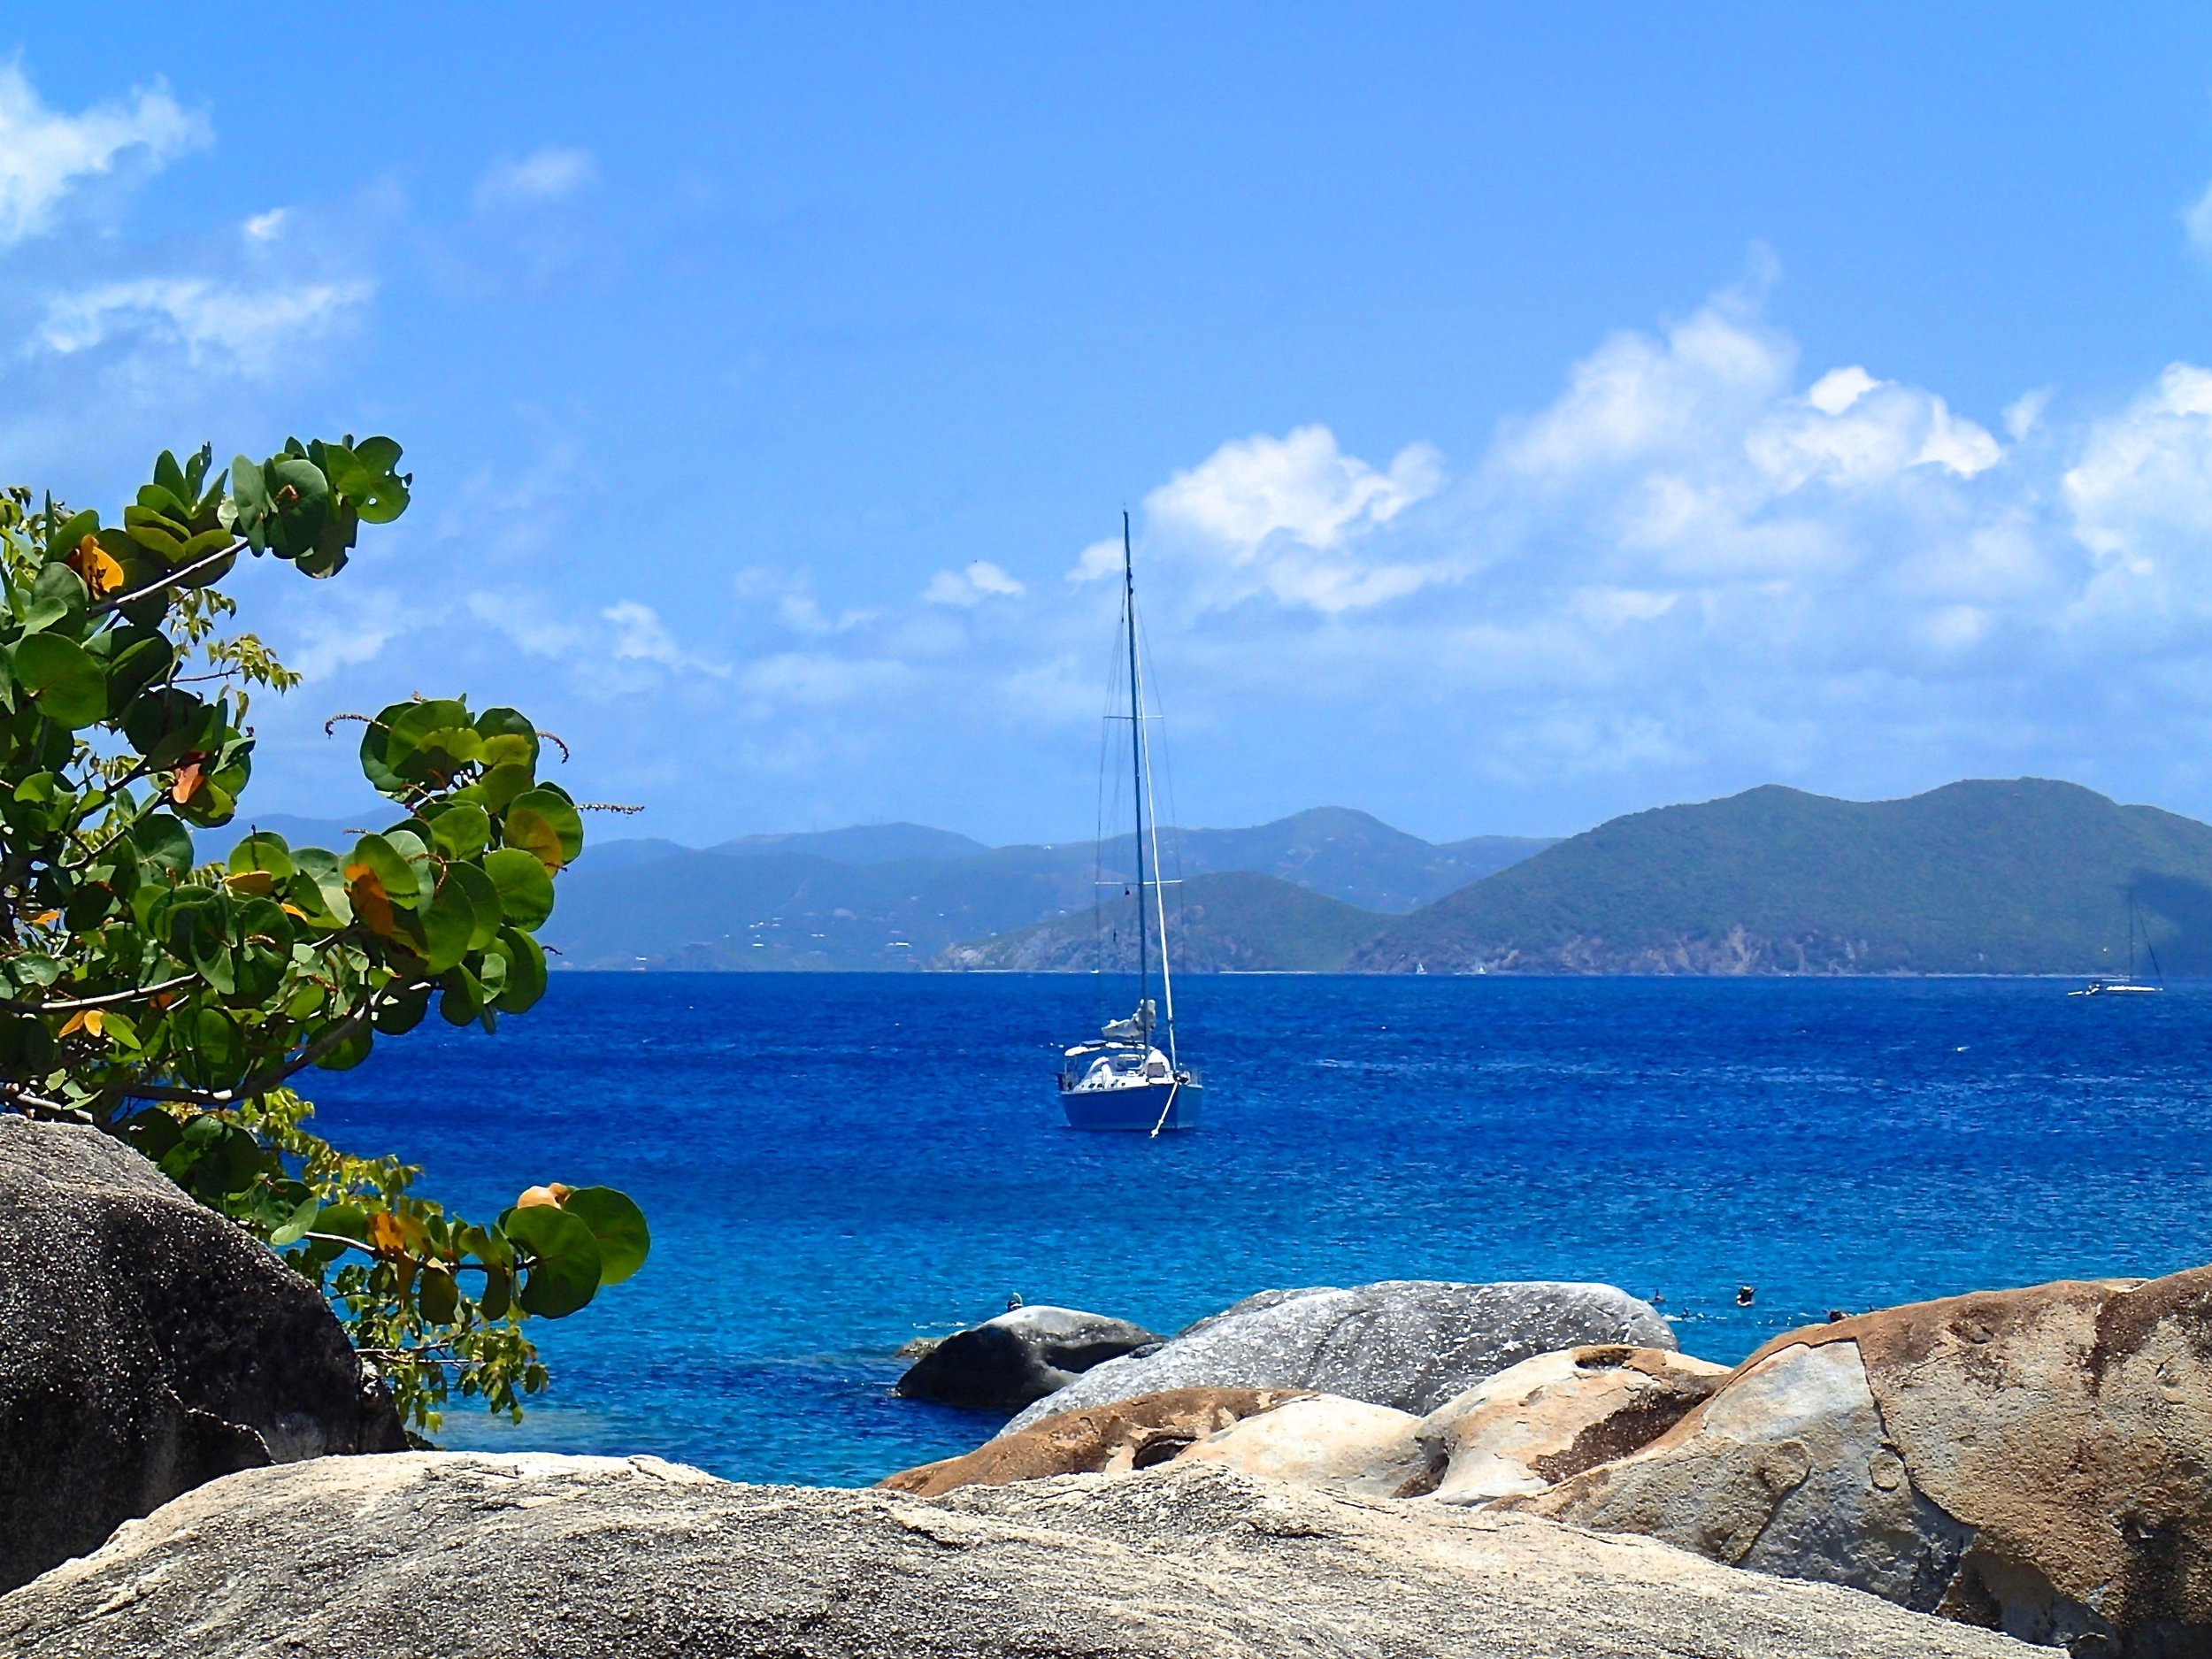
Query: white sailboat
x=2130, y=985
x=1122, y=1079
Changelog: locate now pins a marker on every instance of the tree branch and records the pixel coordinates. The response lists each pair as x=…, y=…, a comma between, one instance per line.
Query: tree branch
x=170, y=581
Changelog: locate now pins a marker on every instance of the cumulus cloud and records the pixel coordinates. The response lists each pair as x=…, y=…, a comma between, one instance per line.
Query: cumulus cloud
x=543, y=175
x=266, y=226
x=1294, y=519
x=45, y=154
x=969, y=587
x=249, y=330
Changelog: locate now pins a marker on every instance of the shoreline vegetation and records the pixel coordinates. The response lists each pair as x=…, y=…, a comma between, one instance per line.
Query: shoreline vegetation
x=2026, y=877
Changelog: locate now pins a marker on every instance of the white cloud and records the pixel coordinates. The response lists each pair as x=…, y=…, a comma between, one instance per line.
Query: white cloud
x=2196, y=219
x=1289, y=517
x=266, y=226
x=251, y=330
x=968, y=588
x=640, y=636
x=543, y=175
x=45, y=155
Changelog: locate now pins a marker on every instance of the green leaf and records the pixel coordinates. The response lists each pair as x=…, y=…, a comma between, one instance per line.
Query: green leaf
x=297, y=1226
x=566, y=1264
x=63, y=678
x=388, y=864
x=462, y=999
x=449, y=922
x=483, y=898
x=350, y=1053
x=162, y=841
x=462, y=829
x=526, y=972
x=619, y=1224
x=437, y=1295
x=544, y=822
x=525, y=892
x=58, y=595
x=263, y=850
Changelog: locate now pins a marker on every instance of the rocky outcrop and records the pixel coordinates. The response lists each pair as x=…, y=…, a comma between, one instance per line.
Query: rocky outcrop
x=567, y=1557
x=1409, y=1344
x=1022, y=1356
x=1329, y=1442
x=1546, y=1418
x=2034, y=1460
x=147, y=1345
x=1113, y=1438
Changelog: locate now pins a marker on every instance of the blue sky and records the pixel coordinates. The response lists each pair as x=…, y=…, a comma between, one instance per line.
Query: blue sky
x=1525, y=419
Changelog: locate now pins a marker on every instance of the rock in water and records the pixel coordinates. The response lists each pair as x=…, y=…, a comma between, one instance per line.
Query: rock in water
x=1410, y=1343
x=460, y=1555
x=2034, y=1460
x=1023, y=1355
x=147, y=1345
x=1545, y=1418
x=1114, y=1438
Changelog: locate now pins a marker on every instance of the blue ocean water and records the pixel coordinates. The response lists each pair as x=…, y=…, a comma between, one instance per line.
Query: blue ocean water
x=833, y=1164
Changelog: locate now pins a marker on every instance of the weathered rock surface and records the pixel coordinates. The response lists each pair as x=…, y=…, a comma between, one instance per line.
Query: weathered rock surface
x=1539, y=1422
x=2037, y=1460
x=1111, y=1439
x=1407, y=1343
x=1023, y=1355
x=464, y=1556
x=147, y=1345
x=1327, y=1442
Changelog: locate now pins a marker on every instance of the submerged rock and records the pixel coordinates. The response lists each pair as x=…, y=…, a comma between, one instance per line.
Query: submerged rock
x=147, y=1345
x=1114, y=1438
x=1546, y=1418
x=460, y=1555
x=2037, y=1460
x=1022, y=1356
x=1410, y=1344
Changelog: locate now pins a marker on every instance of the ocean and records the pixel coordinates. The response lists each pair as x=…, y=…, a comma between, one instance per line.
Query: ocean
x=833, y=1164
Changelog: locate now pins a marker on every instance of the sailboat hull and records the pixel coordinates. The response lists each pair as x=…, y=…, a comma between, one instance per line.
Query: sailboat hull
x=1138, y=1109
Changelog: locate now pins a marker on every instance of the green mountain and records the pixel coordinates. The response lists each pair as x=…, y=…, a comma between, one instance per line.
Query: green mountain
x=2020, y=877
x=1237, y=921
x=897, y=896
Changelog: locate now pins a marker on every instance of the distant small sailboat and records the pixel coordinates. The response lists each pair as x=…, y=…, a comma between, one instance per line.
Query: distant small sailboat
x=1120, y=1080
x=2129, y=986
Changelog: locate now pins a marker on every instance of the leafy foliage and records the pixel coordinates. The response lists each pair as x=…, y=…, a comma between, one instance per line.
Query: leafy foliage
x=173, y=1004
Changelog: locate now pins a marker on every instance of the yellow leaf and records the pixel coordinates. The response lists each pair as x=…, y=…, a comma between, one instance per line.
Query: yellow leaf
x=386, y=1236
x=46, y=918
x=85, y=1020
x=291, y=909
x=554, y=1193
x=371, y=902
x=101, y=573
x=187, y=781
x=260, y=883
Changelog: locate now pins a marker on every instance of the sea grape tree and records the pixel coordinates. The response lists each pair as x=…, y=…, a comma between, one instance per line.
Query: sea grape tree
x=174, y=1002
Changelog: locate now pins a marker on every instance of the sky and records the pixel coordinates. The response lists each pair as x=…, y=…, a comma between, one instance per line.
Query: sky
x=1524, y=418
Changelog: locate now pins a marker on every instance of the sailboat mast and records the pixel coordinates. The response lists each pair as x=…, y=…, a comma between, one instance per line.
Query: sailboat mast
x=1136, y=760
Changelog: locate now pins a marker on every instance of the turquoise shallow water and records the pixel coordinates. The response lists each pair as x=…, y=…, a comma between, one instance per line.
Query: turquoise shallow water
x=833, y=1164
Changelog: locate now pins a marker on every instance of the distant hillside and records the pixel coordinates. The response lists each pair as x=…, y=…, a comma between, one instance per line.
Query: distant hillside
x=1235, y=921
x=2021, y=877
x=862, y=844
x=879, y=897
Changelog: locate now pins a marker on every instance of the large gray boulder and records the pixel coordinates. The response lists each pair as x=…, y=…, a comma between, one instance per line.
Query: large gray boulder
x=2037, y=1459
x=147, y=1345
x=469, y=1556
x=1023, y=1355
x=1408, y=1343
